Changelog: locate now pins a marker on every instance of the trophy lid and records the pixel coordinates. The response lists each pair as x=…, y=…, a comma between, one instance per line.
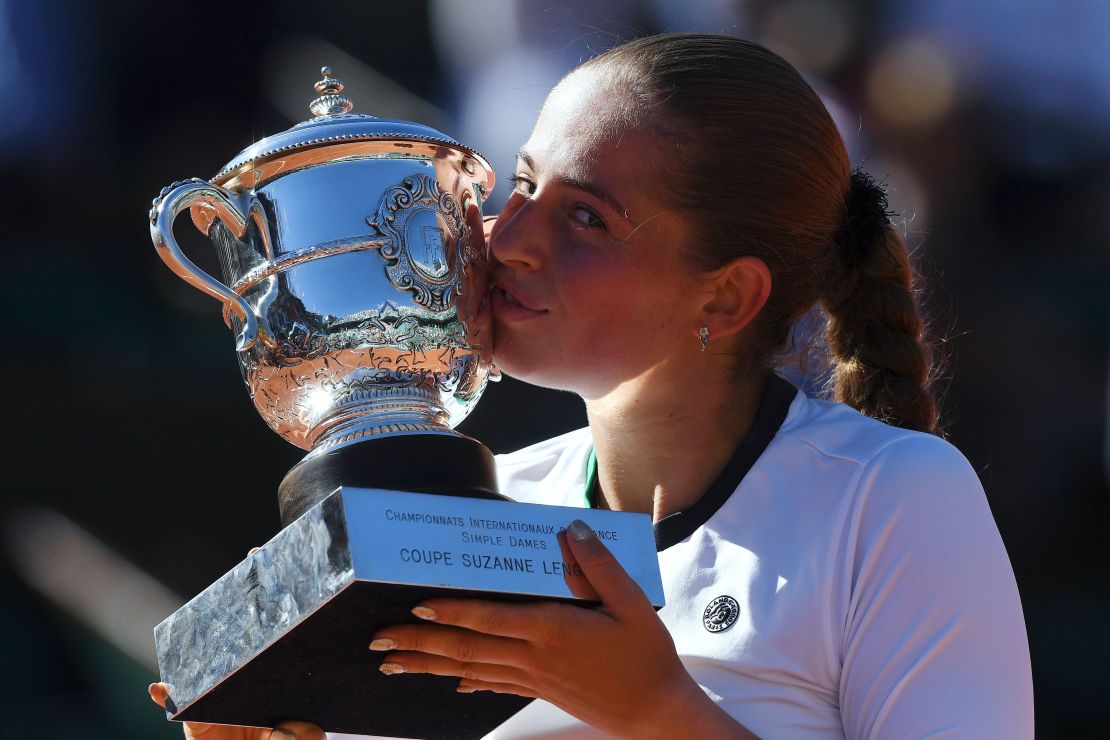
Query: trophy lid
x=333, y=123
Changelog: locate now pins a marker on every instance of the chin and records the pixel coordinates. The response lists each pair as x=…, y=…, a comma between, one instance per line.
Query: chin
x=538, y=371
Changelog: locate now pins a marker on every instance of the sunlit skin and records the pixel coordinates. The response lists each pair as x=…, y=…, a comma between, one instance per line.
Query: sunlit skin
x=594, y=293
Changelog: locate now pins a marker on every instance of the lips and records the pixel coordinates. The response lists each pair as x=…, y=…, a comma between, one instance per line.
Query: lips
x=509, y=302
x=514, y=294
x=511, y=299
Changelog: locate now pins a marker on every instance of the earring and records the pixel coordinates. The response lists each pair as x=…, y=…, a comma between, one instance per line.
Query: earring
x=703, y=333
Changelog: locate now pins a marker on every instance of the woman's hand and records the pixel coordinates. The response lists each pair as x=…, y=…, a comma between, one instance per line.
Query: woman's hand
x=614, y=667
x=201, y=731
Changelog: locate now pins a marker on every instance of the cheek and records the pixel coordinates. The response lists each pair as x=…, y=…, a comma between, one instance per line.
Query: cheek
x=625, y=311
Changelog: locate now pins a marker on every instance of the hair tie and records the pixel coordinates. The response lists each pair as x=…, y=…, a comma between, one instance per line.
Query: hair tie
x=865, y=218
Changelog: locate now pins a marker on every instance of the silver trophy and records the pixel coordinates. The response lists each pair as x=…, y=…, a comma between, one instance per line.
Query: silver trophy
x=352, y=284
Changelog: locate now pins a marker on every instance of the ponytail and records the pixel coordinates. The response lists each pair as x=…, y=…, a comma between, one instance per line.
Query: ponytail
x=882, y=363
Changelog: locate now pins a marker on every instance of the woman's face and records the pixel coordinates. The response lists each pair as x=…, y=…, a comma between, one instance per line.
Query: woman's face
x=590, y=286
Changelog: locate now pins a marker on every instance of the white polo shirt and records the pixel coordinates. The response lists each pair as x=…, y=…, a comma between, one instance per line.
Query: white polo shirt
x=842, y=578
x=867, y=593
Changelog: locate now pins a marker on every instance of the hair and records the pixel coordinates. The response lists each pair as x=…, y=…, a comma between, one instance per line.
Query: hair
x=764, y=172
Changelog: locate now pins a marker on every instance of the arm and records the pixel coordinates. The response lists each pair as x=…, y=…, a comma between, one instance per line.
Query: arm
x=614, y=667
x=934, y=640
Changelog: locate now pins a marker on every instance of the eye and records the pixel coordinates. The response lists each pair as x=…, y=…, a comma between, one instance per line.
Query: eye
x=586, y=217
x=523, y=185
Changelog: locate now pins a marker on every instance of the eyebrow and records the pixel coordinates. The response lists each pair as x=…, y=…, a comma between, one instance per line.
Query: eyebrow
x=584, y=186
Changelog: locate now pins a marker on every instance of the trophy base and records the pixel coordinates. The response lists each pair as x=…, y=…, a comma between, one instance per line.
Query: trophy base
x=322, y=671
x=447, y=464
x=285, y=633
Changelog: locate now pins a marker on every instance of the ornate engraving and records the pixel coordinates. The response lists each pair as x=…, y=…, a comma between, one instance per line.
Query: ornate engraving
x=323, y=372
x=302, y=343
x=377, y=431
x=427, y=240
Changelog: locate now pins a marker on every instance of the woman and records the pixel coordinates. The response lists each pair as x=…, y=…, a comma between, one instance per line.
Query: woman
x=682, y=202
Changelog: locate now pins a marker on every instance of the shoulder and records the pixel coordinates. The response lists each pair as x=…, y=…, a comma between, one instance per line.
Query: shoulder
x=928, y=607
x=552, y=471
x=836, y=431
x=927, y=619
x=904, y=502
x=867, y=476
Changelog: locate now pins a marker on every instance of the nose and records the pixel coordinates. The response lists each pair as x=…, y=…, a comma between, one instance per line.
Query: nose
x=516, y=239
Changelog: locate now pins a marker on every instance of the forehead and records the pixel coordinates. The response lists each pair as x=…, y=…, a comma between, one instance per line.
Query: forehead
x=587, y=128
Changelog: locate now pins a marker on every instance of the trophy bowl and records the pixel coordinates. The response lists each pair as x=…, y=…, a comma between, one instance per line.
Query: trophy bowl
x=352, y=283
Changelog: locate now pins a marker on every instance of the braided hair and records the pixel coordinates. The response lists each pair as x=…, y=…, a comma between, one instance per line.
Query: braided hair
x=875, y=330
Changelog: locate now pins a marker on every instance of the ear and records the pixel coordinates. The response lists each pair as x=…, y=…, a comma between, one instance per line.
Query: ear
x=739, y=292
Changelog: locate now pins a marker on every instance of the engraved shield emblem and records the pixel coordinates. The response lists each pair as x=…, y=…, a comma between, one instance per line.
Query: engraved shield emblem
x=427, y=239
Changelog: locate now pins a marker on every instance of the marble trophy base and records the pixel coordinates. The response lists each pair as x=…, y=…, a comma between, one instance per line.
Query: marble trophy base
x=285, y=633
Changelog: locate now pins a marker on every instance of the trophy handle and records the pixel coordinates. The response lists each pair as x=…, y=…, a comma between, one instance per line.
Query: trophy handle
x=170, y=202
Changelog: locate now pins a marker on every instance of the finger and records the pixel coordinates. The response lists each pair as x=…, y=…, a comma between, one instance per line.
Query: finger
x=158, y=694
x=451, y=642
x=619, y=593
x=491, y=224
x=473, y=293
x=478, y=227
x=437, y=665
x=469, y=686
x=573, y=575
x=294, y=730
x=518, y=621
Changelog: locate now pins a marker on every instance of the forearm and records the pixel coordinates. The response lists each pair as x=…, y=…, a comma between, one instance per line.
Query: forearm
x=716, y=722
x=691, y=713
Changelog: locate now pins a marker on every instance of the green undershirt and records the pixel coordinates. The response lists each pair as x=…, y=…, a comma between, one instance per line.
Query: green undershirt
x=591, y=480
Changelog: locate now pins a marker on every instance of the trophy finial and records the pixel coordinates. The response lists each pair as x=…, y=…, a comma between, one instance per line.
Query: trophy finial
x=330, y=102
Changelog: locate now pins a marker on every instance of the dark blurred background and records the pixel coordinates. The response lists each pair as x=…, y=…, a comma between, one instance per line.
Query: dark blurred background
x=140, y=472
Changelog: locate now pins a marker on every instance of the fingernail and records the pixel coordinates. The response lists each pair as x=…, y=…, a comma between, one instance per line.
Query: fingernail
x=424, y=613
x=279, y=734
x=465, y=689
x=382, y=643
x=580, y=531
x=391, y=669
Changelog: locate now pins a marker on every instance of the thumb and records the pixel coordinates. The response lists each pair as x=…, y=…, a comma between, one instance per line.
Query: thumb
x=479, y=229
x=618, y=592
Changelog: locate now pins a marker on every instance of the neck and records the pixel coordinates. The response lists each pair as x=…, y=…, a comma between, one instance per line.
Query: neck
x=660, y=446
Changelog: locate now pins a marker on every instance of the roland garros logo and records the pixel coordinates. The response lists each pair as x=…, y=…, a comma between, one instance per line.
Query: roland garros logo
x=721, y=614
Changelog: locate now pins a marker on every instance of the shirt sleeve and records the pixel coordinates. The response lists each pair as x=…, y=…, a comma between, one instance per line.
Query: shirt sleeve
x=934, y=639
